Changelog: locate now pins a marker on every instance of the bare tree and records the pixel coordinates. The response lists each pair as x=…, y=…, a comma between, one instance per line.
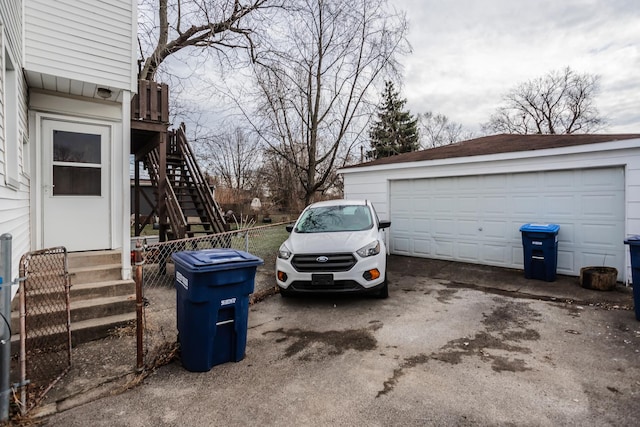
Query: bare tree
x=316, y=83
x=559, y=102
x=169, y=26
x=278, y=177
x=437, y=130
x=234, y=157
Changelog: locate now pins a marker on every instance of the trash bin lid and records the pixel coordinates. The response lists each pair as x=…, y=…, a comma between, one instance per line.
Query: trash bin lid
x=540, y=228
x=632, y=240
x=216, y=259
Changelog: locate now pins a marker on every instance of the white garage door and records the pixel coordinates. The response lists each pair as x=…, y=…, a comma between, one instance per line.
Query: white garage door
x=477, y=219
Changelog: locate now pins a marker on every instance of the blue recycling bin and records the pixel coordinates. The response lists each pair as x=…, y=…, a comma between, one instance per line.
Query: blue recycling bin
x=212, y=291
x=540, y=245
x=634, y=250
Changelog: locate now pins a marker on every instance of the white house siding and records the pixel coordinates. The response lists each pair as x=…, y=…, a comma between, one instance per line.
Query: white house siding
x=14, y=202
x=374, y=182
x=82, y=40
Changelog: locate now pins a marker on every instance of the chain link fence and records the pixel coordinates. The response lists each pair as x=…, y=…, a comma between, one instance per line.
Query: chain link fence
x=158, y=271
x=44, y=323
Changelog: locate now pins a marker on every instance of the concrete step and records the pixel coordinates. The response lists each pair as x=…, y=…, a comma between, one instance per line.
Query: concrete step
x=80, y=310
x=92, y=258
x=110, y=288
x=86, y=330
x=93, y=329
x=100, y=300
x=93, y=274
x=102, y=307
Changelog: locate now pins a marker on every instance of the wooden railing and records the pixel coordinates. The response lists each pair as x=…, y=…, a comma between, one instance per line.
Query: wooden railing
x=213, y=210
x=151, y=103
x=174, y=211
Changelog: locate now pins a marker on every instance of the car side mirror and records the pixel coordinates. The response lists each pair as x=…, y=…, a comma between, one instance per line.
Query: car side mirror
x=384, y=224
x=289, y=228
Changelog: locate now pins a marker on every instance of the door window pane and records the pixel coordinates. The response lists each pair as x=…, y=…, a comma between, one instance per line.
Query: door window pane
x=76, y=181
x=74, y=147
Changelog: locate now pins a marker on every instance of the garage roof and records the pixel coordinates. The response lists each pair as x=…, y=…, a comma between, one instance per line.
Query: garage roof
x=495, y=144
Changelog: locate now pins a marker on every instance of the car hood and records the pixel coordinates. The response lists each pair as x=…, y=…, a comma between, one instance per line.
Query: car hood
x=338, y=242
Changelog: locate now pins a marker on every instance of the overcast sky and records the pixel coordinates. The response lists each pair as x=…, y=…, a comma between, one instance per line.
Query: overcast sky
x=467, y=53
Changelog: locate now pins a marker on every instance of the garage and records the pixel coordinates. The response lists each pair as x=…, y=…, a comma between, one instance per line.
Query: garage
x=466, y=201
x=476, y=219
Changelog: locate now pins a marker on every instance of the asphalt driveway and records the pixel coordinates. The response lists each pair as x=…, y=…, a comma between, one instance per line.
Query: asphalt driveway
x=439, y=351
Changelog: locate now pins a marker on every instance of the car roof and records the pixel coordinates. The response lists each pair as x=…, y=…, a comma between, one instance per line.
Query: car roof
x=338, y=202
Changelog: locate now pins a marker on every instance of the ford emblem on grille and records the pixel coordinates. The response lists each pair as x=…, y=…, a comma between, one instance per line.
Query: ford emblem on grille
x=322, y=259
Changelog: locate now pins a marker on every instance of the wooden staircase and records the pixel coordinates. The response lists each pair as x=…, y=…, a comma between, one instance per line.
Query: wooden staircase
x=100, y=300
x=190, y=207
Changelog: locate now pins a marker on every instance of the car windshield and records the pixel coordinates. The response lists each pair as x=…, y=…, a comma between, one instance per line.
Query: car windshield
x=334, y=218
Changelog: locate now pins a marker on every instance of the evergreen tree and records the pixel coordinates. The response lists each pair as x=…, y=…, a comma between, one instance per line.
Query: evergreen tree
x=395, y=131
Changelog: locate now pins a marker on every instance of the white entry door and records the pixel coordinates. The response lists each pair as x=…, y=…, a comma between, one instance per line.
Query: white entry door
x=76, y=177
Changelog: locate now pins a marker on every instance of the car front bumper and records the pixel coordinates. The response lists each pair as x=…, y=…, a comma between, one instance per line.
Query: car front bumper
x=342, y=281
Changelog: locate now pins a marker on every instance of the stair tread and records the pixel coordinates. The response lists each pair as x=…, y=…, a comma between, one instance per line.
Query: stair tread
x=104, y=283
x=101, y=301
x=94, y=267
x=103, y=320
x=78, y=304
x=99, y=321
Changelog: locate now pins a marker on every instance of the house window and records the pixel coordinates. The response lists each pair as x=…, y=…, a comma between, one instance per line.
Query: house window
x=12, y=140
x=77, y=164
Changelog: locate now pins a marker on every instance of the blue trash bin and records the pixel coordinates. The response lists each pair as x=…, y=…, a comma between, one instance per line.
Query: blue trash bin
x=212, y=291
x=540, y=246
x=634, y=249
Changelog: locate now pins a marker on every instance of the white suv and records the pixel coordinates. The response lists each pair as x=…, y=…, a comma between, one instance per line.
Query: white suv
x=334, y=246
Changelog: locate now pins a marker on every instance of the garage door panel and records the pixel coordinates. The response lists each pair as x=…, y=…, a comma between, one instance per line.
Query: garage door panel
x=598, y=235
x=467, y=228
x=493, y=205
x=400, y=245
x=442, y=204
x=444, y=227
x=495, y=182
x=602, y=179
x=477, y=218
x=525, y=206
x=468, y=251
x=524, y=182
x=421, y=225
x=604, y=258
x=566, y=262
x=401, y=224
x=560, y=206
x=560, y=180
x=568, y=235
x=495, y=230
x=467, y=205
x=443, y=249
x=599, y=205
x=517, y=257
x=422, y=246
x=495, y=254
x=421, y=204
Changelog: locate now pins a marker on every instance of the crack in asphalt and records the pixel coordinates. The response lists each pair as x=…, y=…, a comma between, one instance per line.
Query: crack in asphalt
x=506, y=327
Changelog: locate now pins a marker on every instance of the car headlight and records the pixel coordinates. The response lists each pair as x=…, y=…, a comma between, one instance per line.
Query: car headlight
x=371, y=249
x=284, y=252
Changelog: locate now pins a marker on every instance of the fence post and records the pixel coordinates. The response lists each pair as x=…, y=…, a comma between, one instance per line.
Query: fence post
x=5, y=311
x=246, y=240
x=139, y=306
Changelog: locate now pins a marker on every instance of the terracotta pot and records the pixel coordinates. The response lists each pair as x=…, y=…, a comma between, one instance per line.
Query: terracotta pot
x=598, y=278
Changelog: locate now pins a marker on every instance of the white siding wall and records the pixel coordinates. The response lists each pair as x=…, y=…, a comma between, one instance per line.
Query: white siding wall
x=373, y=182
x=84, y=40
x=14, y=202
